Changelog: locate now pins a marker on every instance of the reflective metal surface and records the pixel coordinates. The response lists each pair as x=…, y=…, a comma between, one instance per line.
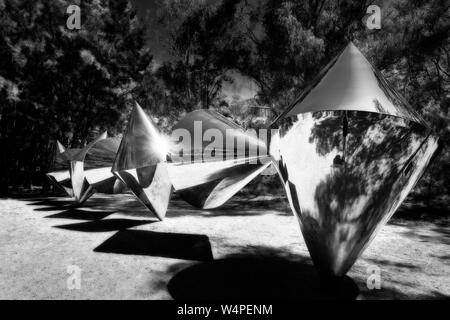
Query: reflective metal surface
x=59, y=173
x=350, y=82
x=141, y=163
x=348, y=152
x=97, y=166
x=90, y=169
x=343, y=188
x=345, y=171
x=216, y=161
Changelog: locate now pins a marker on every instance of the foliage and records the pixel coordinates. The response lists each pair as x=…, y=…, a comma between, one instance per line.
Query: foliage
x=64, y=84
x=281, y=45
x=69, y=85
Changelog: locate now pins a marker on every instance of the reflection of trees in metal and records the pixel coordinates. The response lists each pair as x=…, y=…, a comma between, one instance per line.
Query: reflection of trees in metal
x=350, y=82
x=204, y=176
x=340, y=204
x=90, y=169
x=207, y=176
x=348, y=151
x=141, y=163
x=349, y=159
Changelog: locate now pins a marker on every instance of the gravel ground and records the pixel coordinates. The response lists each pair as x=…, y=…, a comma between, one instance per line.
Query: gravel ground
x=250, y=248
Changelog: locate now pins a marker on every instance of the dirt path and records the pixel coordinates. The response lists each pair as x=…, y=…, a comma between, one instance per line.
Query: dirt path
x=247, y=249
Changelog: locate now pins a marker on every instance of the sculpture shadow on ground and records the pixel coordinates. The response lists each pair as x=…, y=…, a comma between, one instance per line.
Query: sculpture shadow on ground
x=128, y=205
x=418, y=211
x=106, y=225
x=244, y=276
x=52, y=203
x=237, y=207
x=78, y=214
x=161, y=244
x=53, y=208
x=96, y=208
x=93, y=213
x=412, y=215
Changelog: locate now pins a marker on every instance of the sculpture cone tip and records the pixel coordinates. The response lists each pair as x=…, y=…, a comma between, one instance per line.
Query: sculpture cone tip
x=160, y=215
x=352, y=47
x=59, y=147
x=138, y=111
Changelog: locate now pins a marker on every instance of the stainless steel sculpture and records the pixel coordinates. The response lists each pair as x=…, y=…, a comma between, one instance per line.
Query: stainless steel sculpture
x=141, y=163
x=214, y=160
x=90, y=169
x=349, y=151
x=149, y=164
x=59, y=173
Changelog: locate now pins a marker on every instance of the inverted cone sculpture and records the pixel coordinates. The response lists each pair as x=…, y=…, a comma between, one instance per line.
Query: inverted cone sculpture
x=141, y=163
x=207, y=169
x=350, y=82
x=91, y=169
x=349, y=152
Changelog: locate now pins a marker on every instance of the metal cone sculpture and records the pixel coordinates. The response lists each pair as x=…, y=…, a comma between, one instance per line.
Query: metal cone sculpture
x=90, y=169
x=59, y=148
x=214, y=160
x=349, y=151
x=59, y=173
x=141, y=163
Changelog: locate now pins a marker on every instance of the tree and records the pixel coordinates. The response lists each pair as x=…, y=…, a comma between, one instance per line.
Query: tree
x=282, y=45
x=195, y=74
x=64, y=84
x=413, y=50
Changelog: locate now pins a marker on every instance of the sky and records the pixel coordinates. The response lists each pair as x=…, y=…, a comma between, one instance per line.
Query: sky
x=242, y=86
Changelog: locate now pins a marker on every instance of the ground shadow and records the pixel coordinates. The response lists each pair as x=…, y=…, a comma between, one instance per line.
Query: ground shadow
x=236, y=207
x=425, y=224
x=98, y=207
x=160, y=244
x=257, y=277
x=127, y=204
x=78, y=214
x=104, y=225
x=50, y=203
x=401, y=266
x=55, y=208
x=443, y=257
x=411, y=211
